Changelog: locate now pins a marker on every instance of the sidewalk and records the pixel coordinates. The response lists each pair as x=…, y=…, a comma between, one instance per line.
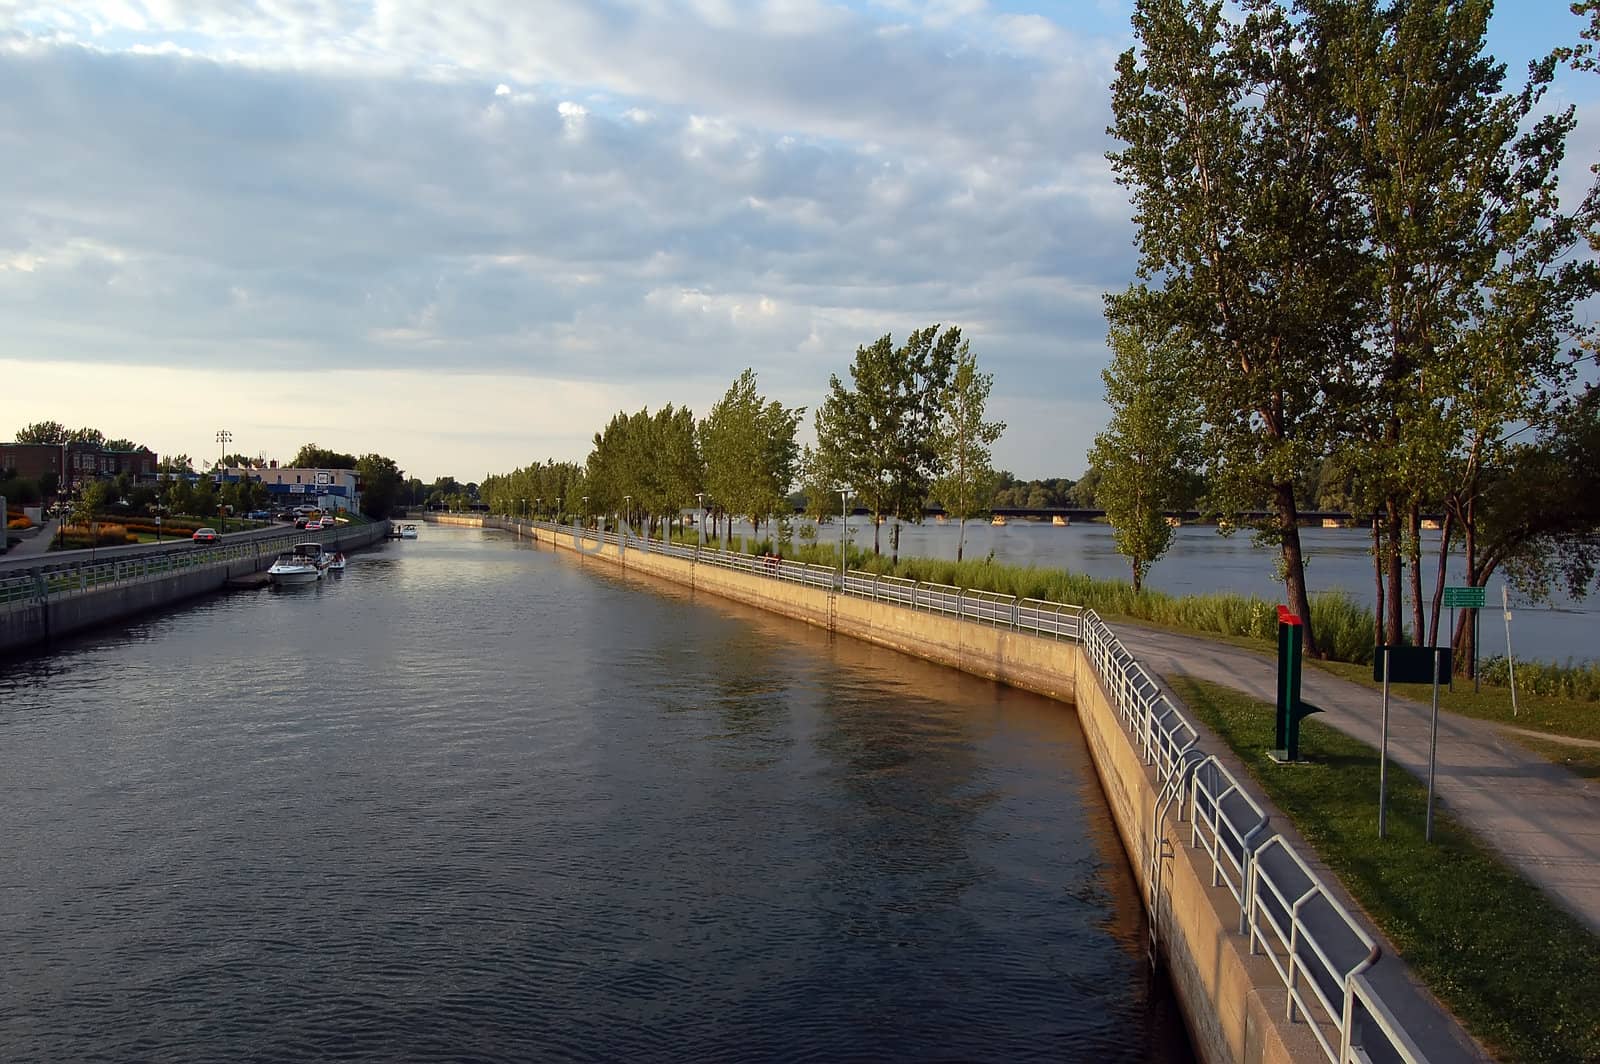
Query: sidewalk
x=39, y=543
x=1541, y=818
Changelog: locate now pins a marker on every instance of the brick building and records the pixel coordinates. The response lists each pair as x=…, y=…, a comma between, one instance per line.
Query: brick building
x=76, y=464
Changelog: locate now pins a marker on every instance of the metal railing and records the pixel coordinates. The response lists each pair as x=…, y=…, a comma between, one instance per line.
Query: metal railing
x=1227, y=824
x=1317, y=948
x=53, y=580
x=1314, y=943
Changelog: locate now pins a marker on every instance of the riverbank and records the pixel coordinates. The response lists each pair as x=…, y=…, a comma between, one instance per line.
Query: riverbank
x=56, y=599
x=1233, y=987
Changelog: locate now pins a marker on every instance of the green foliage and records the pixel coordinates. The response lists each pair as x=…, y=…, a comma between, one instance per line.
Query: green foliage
x=1144, y=454
x=310, y=456
x=1050, y=492
x=1235, y=166
x=1519, y=971
x=380, y=484
x=1577, y=681
x=43, y=432
x=751, y=455
x=961, y=442
x=876, y=437
x=550, y=489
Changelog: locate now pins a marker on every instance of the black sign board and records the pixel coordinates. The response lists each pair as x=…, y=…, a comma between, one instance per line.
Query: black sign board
x=1411, y=664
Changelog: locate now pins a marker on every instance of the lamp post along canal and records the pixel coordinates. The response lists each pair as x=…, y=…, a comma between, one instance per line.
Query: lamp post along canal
x=844, y=525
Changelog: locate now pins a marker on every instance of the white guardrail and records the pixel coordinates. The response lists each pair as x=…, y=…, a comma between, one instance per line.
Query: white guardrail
x=49, y=581
x=1320, y=952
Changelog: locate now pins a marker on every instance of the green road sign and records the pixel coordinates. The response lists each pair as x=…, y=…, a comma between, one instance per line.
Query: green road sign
x=1466, y=598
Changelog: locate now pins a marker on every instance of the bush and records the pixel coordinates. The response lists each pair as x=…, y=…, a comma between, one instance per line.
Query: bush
x=19, y=522
x=1578, y=682
x=77, y=537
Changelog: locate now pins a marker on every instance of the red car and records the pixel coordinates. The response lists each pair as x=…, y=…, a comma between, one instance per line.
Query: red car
x=205, y=535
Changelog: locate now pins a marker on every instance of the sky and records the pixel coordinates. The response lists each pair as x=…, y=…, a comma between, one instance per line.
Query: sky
x=464, y=235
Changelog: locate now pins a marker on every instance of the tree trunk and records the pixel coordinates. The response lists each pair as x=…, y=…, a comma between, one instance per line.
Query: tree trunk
x=877, y=531
x=1444, y=574
x=1294, y=568
x=894, y=543
x=1138, y=576
x=1414, y=577
x=961, y=540
x=1395, y=602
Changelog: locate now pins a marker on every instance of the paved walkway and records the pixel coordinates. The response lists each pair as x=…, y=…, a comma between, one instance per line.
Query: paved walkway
x=1540, y=817
x=37, y=544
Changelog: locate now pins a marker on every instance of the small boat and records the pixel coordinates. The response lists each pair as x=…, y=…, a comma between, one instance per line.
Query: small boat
x=408, y=531
x=294, y=569
x=336, y=563
x=998, y=519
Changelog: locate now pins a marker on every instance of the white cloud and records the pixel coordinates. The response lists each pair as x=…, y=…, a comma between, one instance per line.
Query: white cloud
x=564, y=201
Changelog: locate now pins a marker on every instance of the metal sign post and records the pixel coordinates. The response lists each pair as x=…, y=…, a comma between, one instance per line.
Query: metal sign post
x=1383, y=753
x=1405, y=664
x=1433, y=747
x=1511, y=662
x=1469, y=598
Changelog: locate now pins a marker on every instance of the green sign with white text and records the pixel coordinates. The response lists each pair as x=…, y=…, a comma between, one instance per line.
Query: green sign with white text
x=1466, y=598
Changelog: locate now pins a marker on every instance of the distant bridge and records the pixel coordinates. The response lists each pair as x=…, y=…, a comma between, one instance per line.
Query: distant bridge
x=1072, y=514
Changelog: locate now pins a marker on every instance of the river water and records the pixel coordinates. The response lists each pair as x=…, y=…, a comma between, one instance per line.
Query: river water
x=474, y=802
x=1201, y=561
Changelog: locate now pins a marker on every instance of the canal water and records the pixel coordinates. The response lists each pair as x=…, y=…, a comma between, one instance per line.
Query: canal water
x=473, y=802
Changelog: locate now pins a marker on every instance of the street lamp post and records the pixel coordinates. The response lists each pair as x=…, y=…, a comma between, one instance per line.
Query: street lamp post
x=558, y=509
x=586, y=511
x=538, y=506
x=700, y=516
x=844, y=525
x=627, y=512
x=524, y=507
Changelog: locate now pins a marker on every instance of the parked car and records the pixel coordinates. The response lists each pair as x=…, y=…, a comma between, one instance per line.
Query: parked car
x=258, y=515
x=301, y=522
x=205, y=535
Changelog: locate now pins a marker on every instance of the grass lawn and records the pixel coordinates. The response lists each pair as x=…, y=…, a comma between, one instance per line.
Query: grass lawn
x=1520, y=973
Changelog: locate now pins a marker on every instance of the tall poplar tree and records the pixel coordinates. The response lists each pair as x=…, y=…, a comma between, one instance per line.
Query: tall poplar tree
x=1146, y=450
x=877, y=436
x=1233, y=156
x=962, y=439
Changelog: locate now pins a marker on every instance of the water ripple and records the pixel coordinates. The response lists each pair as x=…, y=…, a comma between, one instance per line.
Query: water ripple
x=473, y=803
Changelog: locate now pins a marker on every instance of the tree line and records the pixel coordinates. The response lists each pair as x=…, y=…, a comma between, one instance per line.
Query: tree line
x=909, y=426
x=1353, y=259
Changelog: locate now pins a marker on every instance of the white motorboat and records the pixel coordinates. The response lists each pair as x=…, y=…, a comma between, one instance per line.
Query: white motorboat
x=408, y=531
x=336, y=563
x=294, y=569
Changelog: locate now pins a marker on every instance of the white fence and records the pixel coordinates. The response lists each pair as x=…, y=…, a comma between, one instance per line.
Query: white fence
x=49, y=580
x=1320, y=952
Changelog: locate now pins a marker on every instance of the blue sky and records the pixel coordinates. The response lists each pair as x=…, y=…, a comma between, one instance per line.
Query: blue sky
x=464, y=235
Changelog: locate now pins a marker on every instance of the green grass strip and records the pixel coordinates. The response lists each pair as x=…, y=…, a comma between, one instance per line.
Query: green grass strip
x=1521, y=973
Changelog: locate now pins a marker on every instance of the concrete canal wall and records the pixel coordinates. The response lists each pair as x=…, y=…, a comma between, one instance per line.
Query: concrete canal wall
x=1233, y=1002
x=66, y=612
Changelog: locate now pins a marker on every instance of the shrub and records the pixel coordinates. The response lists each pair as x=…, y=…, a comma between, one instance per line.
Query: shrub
x=19, y=522
x=1578, y=682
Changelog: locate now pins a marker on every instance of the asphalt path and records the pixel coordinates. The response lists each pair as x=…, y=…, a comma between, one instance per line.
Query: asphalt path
x=1538, y=816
